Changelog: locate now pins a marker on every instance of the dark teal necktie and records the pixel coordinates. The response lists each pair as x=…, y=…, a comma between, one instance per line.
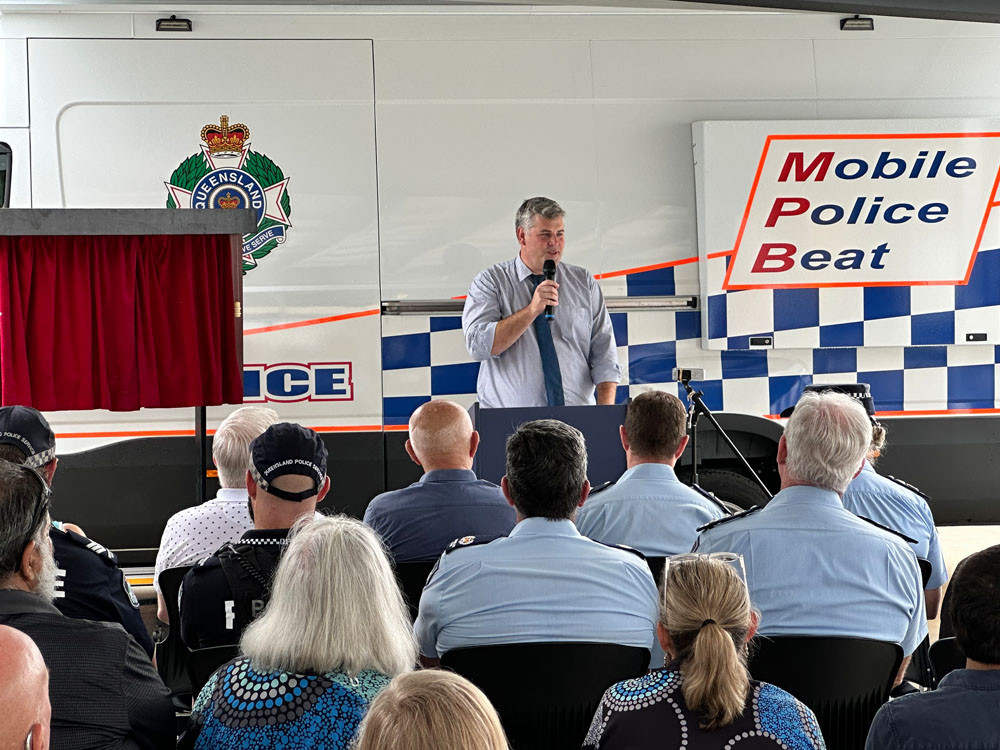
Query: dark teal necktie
x=547, y=348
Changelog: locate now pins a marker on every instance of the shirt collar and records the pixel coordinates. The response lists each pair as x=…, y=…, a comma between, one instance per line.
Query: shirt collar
x=650, y=471
x=521, y=269
x=230, y=495
x=538, y=526
x=806, y=495
x=868, y=467
x=13, y=602
x=449, y=475
x=973, y=679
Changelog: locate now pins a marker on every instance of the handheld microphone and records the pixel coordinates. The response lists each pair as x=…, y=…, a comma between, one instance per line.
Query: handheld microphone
x=549, y=269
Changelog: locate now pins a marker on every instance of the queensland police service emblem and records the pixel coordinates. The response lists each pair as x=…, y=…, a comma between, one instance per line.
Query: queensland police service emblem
x=227, y=174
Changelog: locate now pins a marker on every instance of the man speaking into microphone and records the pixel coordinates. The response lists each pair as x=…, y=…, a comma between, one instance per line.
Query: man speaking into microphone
x=543, y=336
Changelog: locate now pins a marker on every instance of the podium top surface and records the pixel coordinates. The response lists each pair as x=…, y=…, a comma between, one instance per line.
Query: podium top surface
x=21, y=222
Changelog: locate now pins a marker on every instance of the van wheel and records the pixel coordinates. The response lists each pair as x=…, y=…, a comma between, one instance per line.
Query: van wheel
x=735, y=490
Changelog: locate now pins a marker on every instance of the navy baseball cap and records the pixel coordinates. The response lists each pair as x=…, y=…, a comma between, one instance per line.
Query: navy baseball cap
x=288, y=448
x=861, y=392
x=28, y=430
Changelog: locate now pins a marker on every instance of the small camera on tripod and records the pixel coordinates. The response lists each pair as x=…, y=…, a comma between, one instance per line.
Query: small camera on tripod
x=686, y=375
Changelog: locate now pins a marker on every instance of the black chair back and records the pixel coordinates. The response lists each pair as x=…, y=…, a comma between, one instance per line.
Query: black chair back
x=411, y=577
x=202, y=662
x=945, y=657
x=656, y=566
x=547, y=693
x=171, y=654
x=843, y=680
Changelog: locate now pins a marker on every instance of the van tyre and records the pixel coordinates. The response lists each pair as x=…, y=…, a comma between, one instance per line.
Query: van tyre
x=732, y=488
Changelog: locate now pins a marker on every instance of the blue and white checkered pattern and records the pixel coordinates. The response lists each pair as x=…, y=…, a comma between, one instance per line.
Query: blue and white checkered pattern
x=820, y=336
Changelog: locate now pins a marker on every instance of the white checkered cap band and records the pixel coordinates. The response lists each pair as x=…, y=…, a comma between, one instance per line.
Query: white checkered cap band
x=39, y=460
x=257, y=478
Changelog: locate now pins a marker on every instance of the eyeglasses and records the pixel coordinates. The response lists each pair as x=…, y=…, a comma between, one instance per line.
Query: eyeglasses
x=732, y=559
x=41, y=507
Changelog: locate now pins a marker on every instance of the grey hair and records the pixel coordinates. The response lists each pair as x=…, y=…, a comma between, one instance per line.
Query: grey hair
x=231, y=442
x=538, y=206
x=546, y=468
x=335, y=605
x=827, y=438
x=18, y=495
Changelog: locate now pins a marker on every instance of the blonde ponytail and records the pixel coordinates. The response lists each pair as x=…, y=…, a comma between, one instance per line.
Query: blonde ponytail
x=706, y=611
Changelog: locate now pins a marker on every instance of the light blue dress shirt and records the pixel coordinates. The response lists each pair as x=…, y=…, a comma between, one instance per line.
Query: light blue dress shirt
x=649, y=509
x=581, y=331
x=419, y=521
x=545, y=582
x=873, y=496
x=814, y=568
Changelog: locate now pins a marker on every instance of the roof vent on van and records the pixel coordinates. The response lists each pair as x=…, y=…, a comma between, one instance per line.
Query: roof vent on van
x=174, y=24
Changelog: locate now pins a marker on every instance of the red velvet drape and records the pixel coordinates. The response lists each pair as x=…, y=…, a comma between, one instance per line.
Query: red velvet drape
x=118, y=322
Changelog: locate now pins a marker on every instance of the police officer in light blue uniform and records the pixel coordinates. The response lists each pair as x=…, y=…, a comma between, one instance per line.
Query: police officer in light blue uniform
x=545, y=581
x=813, y=567
x=896, y=505
x=648, y=507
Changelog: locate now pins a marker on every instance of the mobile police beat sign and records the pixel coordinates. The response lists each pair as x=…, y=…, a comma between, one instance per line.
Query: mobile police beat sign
x=848, y=207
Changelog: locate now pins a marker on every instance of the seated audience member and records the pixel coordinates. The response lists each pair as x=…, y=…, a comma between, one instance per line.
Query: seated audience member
x=24, y=693
x=545, y=581
x=964, y=711
x=334, y=634
x=419, y=521
x=225, y=592
x=648, y=508
x=102, y=685
x=431, y=710
x=894, y=504
x=90, y=586
x=813, y=567
x=195, y=533
x=702, y=699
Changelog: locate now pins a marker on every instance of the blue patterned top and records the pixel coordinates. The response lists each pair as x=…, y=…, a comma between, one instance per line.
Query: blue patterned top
x=649, y=712
x=243, y=709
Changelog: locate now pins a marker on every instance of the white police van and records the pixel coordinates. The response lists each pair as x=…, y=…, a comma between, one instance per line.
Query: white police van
x=391, y=146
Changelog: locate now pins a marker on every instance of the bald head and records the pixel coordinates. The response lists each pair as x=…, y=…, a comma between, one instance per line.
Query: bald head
x=24, y=691
x=441, y=436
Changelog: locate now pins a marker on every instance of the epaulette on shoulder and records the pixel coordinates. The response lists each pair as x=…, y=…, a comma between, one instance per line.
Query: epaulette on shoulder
x=727, y=519
x=471, y=541
x=710, y=496
x=98, y=549
x=908, y=486
x=624, y=547
x=595, y=490
x=902, y=536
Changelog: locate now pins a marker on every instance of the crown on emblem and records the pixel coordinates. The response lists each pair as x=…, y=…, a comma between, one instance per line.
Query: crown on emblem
x=228, y=201
x=225, y=139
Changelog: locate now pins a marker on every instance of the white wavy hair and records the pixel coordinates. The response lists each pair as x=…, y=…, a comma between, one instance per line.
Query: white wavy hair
x=827, y=438
x=335, y=605
x=231, y=442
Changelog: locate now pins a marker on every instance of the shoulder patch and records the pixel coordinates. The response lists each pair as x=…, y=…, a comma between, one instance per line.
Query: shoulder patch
x=901, y=535
x=595, y=490
x=908, y=486
x=625, y=547
x=727, y=519
x=710, y=496
x=471, y=541
x=77, y=540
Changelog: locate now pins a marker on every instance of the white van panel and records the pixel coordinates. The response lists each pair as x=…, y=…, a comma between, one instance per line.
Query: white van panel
x=112, y=132
x=13, y=83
